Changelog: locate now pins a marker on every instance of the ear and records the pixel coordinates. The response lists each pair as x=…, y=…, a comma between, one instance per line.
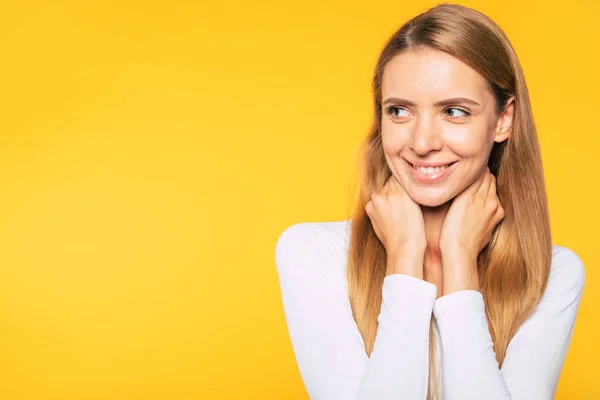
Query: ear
x=505, y=120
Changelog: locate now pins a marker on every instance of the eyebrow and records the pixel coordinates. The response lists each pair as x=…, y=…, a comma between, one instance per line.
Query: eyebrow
x=440, y=103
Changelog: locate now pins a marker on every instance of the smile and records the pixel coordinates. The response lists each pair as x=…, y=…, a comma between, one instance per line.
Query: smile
x=431, y=174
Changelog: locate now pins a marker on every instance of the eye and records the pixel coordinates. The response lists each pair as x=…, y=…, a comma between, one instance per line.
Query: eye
x=455, y=116
x=391, y=110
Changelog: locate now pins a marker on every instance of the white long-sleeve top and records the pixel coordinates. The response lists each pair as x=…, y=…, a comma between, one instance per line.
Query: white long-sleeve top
x=330, y=352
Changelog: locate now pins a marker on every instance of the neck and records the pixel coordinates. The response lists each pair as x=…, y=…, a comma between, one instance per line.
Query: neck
x=433, y=217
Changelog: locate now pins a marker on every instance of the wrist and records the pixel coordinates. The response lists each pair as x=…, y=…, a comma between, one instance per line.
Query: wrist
x=455, y=283
x=457, y=254
x=410, y=263
x=460, y=273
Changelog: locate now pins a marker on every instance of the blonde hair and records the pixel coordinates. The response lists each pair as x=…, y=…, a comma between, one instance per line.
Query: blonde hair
x=514, y=267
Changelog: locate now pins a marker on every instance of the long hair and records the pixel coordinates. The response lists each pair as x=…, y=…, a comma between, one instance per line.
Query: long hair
x=515, y=265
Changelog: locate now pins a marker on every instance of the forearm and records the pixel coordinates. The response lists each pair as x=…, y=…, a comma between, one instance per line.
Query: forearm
x=408, y=262
x=398, y=365
x=469, y=363
x=460, y=273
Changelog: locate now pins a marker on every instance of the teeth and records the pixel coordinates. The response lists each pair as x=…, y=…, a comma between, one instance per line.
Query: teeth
x=431, y=170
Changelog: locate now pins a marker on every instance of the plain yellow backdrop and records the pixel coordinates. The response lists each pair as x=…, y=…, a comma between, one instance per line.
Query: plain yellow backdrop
x=152, y=152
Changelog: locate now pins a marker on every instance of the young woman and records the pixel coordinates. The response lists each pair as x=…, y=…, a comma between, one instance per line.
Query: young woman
x=445, y=281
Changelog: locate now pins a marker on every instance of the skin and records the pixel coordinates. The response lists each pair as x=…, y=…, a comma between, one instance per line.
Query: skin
x=434, y=231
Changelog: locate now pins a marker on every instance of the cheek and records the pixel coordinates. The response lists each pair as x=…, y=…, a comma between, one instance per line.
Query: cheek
x=468, y=141
x=394, y=138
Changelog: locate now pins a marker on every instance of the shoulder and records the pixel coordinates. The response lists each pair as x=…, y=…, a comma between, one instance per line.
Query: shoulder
x=319, y=236
x=313, y=252
x=566, y=281
x=567, y=269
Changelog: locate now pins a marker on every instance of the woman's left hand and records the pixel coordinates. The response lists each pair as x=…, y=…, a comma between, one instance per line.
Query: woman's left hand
x=466, y=230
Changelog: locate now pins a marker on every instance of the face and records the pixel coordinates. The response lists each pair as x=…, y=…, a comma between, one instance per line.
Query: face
x=438, y=111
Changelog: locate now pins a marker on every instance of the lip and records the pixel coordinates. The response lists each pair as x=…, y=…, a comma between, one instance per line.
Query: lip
x=425, y=178
x=430, y=163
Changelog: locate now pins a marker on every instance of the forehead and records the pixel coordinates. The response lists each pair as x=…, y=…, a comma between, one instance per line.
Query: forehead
x=431, y=75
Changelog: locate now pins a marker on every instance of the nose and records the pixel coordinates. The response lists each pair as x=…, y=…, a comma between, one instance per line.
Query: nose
x=425, y=136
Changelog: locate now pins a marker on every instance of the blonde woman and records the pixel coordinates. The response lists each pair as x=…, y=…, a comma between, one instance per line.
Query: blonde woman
x=445, y=282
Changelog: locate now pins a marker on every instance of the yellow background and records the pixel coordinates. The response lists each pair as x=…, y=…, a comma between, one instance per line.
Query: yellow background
x=152, y=152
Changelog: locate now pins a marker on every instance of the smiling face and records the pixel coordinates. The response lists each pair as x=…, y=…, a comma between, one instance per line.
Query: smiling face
x=438, y=111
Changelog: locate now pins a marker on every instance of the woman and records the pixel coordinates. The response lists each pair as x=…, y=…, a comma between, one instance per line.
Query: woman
x=445, y=281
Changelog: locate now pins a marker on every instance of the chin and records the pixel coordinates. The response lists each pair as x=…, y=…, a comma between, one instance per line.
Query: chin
x=430, y=199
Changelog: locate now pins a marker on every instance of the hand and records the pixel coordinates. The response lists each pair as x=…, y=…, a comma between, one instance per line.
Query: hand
x=468, y=228
x=472, y=217
x=397, y=221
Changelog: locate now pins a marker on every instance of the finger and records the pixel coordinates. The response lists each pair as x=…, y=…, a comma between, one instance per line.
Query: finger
x=484, y=188
x=391, y=185
x=388, y=185
x=499, y=214
x=476, y=186
x=473, y=188
x=396, y=184
x=368, y=208
x=384, y=187
x=492, y=189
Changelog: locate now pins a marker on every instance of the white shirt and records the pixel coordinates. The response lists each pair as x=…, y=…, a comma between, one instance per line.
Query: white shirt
x=330, y=352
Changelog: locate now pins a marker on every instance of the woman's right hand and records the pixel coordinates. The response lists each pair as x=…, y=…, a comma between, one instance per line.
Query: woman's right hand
x=398, y=223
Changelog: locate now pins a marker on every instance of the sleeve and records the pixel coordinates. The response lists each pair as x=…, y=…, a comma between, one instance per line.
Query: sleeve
x=328, y=347
x=536, y=353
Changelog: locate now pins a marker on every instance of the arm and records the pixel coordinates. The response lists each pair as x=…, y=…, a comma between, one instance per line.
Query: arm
x=535, y=355
x=328, y=347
